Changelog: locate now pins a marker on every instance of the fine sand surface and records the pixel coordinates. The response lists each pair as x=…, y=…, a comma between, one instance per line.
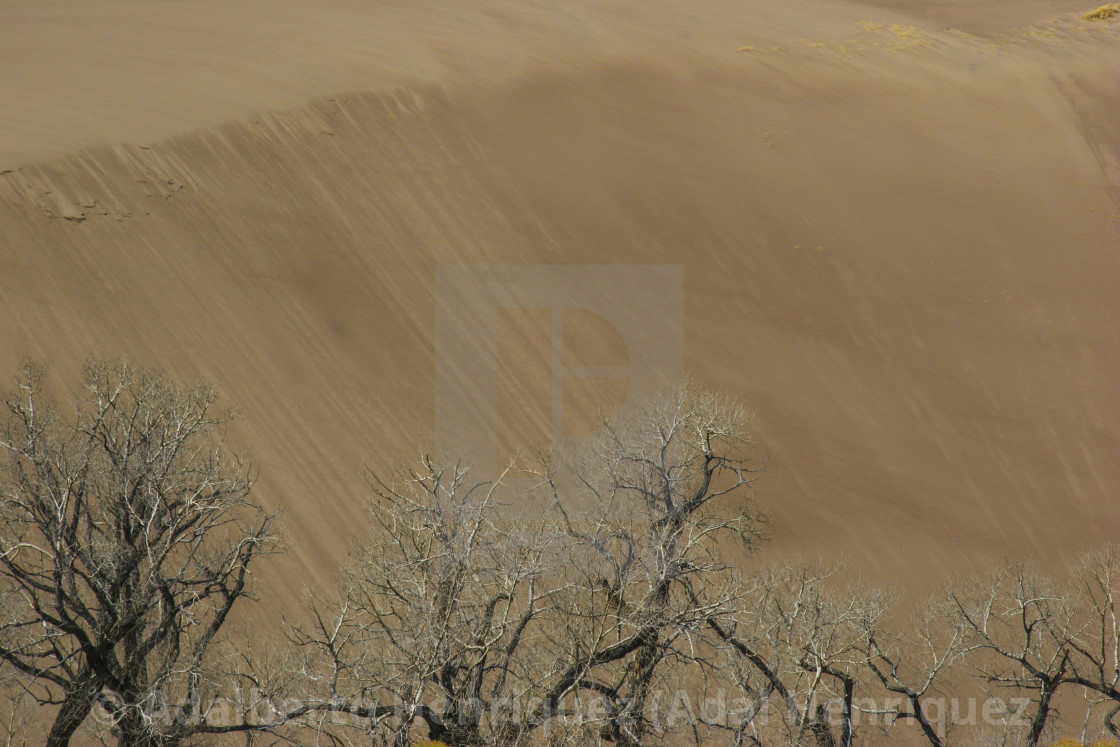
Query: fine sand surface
x=898, y=224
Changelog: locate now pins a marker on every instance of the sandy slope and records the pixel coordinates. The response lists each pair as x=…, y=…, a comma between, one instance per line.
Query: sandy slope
x=899, y=241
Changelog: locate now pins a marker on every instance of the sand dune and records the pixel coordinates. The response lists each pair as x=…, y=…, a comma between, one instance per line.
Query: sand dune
x=898, y=235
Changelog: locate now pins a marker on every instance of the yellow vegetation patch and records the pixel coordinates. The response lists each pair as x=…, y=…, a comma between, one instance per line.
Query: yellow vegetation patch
x=1103, y=13
x=906, y=32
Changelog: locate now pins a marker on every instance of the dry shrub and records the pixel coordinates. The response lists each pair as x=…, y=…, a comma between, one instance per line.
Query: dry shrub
x=1102, y=13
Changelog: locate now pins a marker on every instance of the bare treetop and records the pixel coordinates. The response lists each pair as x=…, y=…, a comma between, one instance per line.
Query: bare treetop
x=126, y=538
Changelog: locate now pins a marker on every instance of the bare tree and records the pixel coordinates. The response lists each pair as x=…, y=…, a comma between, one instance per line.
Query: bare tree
x=1095, y=660
x=1018, y=627
x=17, y=708
x=555, y=604
x=647, y=507
x=436, y=617
x=796, y=640
x=486, y=627
x=915, y=662
x=126, y=539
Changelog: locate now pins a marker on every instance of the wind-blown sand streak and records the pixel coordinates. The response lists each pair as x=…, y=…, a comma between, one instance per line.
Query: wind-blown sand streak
x=900, y=242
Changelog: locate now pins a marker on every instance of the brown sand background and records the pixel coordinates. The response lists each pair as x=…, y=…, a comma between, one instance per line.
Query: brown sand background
x=898, y=223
